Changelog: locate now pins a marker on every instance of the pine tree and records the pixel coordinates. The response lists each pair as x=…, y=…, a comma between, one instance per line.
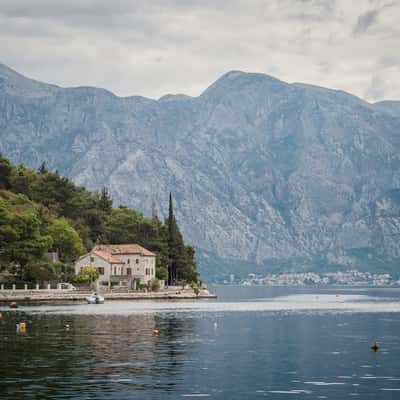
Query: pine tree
x=43, y=168
x=5, y=173
x=105, y=200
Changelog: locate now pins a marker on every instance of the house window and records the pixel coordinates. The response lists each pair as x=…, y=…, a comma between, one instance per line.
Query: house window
x=129, y=271
x=101, y=270
x=129, y=261
x=115, y=270
x=91, y=259
x=137, y=261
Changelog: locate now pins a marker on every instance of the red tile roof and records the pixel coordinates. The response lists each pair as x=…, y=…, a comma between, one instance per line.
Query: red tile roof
x=116, y=249
x=107, y=256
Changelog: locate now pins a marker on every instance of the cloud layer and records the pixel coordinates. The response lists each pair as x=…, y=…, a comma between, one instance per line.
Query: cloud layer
x=151, y=48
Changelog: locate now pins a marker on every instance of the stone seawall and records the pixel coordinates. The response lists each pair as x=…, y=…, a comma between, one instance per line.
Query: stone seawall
x=56, y=295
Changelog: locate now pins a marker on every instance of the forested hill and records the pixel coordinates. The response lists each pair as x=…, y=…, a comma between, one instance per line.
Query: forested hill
x=42, y=211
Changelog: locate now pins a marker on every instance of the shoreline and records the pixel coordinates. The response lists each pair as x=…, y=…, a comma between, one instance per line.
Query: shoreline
x=32, y=296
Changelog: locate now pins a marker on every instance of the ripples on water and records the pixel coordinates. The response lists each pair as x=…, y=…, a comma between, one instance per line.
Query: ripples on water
x=267, y=343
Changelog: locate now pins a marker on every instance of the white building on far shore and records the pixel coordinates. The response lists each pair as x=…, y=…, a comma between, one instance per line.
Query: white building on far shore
x=120, y=263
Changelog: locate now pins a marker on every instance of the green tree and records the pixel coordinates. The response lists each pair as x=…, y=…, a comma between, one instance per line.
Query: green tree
x=153, y=285
x=5, y=173
x=162, y=273
x=189, y=272
x=177, y=257
x=65, y=239
x=39, y=271
x=22, y=180
x=21, y=239
x=88, y=275
x=105, y=200
x=42, y=168
x=123, y=226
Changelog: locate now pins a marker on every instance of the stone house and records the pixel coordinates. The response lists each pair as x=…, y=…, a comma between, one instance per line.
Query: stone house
x=120, y=264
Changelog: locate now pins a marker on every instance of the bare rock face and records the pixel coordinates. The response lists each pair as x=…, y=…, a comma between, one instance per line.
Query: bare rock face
x=261, y=170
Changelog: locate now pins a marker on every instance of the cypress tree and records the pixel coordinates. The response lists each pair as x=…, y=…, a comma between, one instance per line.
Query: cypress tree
x=179, y=265
x=105, y=200
x=171, y=225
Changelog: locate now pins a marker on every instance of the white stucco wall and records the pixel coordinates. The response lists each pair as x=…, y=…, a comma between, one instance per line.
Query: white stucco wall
x=139, y=268
x=144, y=269
x=97, y=262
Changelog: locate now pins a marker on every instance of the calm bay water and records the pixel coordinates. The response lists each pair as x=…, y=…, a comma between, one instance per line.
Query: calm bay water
x=250, y=343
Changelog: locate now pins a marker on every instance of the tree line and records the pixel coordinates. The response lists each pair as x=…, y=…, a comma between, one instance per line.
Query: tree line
x=42, y=211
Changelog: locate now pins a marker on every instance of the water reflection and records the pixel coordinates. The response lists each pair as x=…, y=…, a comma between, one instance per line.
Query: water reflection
x=58, y=353
x=211, y=349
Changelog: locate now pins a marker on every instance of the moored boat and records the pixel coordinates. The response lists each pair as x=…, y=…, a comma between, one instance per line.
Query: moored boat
x=95, y=299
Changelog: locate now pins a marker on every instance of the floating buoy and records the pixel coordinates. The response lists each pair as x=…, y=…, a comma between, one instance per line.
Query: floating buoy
x=13, y=305
x=67, y=327
x=155, y=332
x=375, y=346
x=21, y=327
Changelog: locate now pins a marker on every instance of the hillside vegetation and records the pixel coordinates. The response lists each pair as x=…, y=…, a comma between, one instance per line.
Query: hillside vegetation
x=42, y=211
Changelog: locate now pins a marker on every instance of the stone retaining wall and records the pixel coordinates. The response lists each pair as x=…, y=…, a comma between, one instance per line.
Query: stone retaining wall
x=64, y=295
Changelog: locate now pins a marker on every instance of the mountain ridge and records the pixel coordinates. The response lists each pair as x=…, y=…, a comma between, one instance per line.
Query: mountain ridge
x=263, y=171
x=5, y=68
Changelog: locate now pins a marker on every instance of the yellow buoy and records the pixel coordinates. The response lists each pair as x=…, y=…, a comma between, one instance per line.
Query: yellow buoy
x=21, y=327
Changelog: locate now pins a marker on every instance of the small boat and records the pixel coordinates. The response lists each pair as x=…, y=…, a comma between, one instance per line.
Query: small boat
x=95, y=299
x=13, y=305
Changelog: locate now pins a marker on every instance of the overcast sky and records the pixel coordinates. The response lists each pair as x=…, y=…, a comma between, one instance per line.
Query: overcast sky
x=154, y=47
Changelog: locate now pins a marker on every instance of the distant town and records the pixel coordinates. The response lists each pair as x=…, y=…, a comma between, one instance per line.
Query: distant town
x=350, y=278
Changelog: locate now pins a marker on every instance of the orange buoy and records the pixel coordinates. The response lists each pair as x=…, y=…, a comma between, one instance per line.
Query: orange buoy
x=155, y=332
x=21, y=327
x=375, y=346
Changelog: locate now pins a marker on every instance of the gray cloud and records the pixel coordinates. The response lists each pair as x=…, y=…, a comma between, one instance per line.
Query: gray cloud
x=369, y=18
x=156, y=47
x=365, y=20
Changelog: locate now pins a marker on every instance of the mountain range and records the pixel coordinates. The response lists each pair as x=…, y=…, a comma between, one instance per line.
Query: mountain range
x=266, y=175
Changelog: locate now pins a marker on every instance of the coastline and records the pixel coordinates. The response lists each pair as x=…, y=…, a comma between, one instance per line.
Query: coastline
x=56, y=296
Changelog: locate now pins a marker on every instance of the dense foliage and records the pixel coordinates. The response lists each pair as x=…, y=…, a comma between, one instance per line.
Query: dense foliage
x=180, y=257
x=41, y=211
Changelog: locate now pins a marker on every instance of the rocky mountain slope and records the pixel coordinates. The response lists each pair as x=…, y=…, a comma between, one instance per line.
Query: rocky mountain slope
x=263, y=172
